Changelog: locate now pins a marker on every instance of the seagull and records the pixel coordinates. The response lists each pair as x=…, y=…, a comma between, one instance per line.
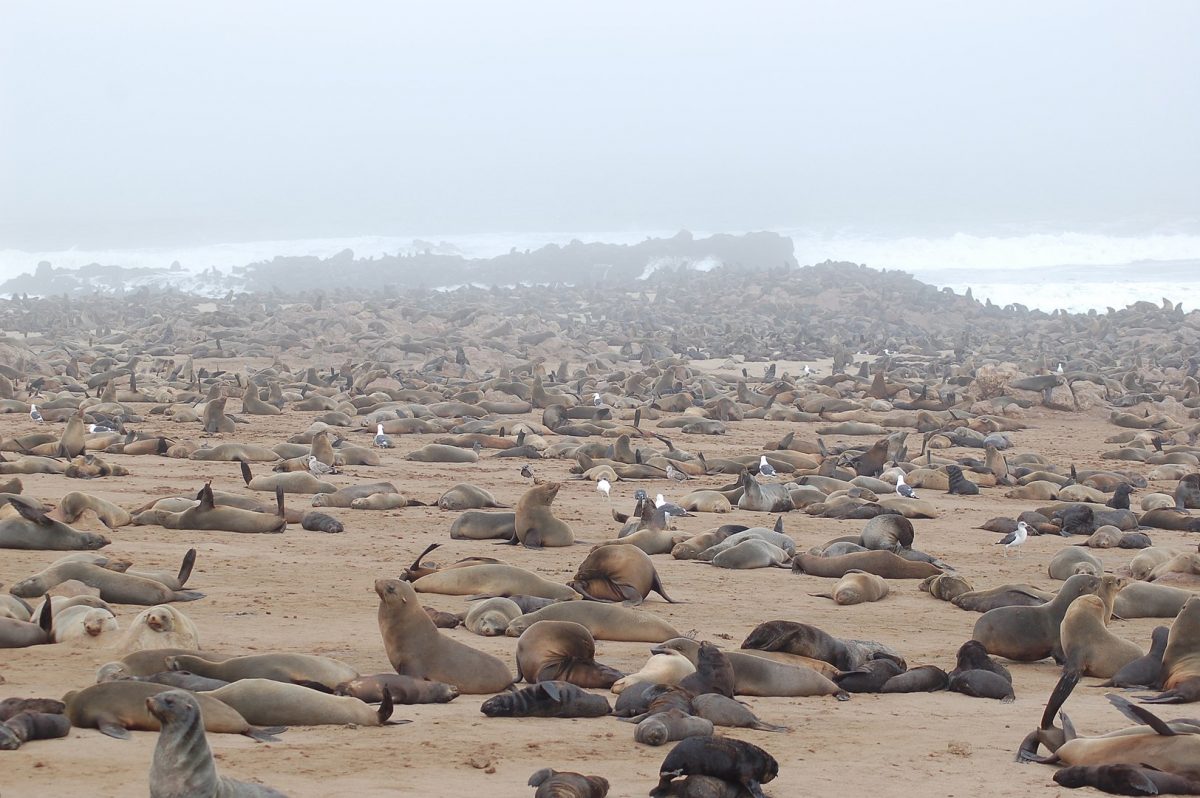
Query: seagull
x=670, y=508
x=904, y=489
x=1013, y=540
x=673, y=473
x=319, y=469
x=597, y=401
x=477, y=448
x=604, y=486
x=94, y=428
x=36, y=414
x=526, y=471
x=764, y=468
x=1059, y=370
x=381, y=440
x=807, y=370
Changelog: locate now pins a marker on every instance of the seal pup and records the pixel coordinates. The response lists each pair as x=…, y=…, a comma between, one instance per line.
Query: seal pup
x=548, y=699
x=1181, y=658
x=713, y=674
x=18, y=729
x=562, y=651
x=492, y=616
x=1126, y=780
x=403, y=689
x=723, y=758
x=416, y=648
x=552, y=783
x=661, y=728
x=1145, y=671
x=183, y=765
x=856, y=587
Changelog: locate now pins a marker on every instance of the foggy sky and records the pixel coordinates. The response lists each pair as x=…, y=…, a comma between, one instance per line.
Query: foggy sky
x=137, y=124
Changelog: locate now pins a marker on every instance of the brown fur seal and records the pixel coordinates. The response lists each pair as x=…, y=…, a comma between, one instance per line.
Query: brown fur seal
x=345, y=497
x=887, y=533
x=726, y=712
x=25, y=726
x=266, y=702
x=535, y=524
x=74, y=504
x=1002, y=596
x=668, y=667
x=1146, y=670
x=403, y=689
x=320, y=522
x=491, y=617
x=618, y=573
x=209, y=517
x=439, y=453
x=714, y=673
x=856, y=587
x=22, y=634
x=561, y=651
x=945, y=587
x=32, y=529
x=723, y=758
x=548, y=699
x=551, y=783
x=669, y=726
x=922, y=679
x=116, y=707
x=1027, y=634
x=161, y=626
x=478, y=525
x=280, y=667
x=416, y=648
x=1181, y=660
x=604, y=621
x=880, y=563
x=464, y=496
x=1150, y=600
x=491, y=580
x=758, y=676
x=183, y=765
x=115, y=587
x=1072, y=560
x=1126, y=780
x=1088, y=646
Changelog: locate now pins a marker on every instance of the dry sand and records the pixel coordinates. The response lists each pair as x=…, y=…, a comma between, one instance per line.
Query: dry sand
x=311, y=592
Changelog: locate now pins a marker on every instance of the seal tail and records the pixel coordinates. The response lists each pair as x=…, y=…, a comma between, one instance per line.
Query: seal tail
x=1058, y=697
x=417, y=562
x=185, y=568
x=657, y=587
x=265, y=734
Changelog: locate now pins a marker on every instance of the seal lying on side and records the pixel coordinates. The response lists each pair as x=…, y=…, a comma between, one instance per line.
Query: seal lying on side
x=551, y=783
x=403, y=689
x=183, y=764
x=116, y=707
x=604, y=621
x=265, y=702
x=549, y=699
x=280, y=667
x=25, y=726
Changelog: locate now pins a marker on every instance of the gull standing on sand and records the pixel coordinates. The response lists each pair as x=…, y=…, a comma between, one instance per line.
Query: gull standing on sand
x=903, y=488
x=94, y=428
x=381, y=440
x=1059, y=370
x=1013, y=540
x=764, y=468
x=319, y=469
x=604, y=486
x=597, y=401
x=36, y=414
x=675, y=474
x=527, y=471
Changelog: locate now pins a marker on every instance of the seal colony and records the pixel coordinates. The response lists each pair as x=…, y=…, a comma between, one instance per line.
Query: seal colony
x=789, y=480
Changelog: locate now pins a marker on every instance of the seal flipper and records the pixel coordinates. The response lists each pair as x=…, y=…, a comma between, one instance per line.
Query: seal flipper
x=385, y=708
x=246, y=474
x=279, y=509
x=112, y=728
x=320, y=687
x=185, y=569
x=533, y=539
x=1140, y=715
x=265, y=734
x=657, y=587
x=186, y=595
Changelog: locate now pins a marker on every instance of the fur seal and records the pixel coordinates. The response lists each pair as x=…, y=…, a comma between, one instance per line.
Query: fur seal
x=1146, y=670
x=1126, y=780
x=946, y=587
x=551, y=783
x=1088, y=646
x=959, y=484
x=32, y=529
x=757, y=497
x=534, y=523
x=25, y=726
x=758, y=676
x=562, y=651
x=547, y=699
x=670, y=725
x=713, y=674
x=723, y=758
x=1181, y=659
x=604, y=621
x=345, y=497
x=416, y=648
x=266, y=702
x=116, y=707
x=478, y=525
x=183, y=764
x=726, y=712
x=982, y=684
x=870, y=677
x=464, y=496
x=1027, y=634
x=751, y=553
x=491, y=617
x=82, y=623
x=880, y=563
x=1146, y=560
x=922, y=679
x=160, y=626
x=440, y=453
x=115, y=587
x=1072, y=560
x=1150, y=600
x=403, y=689
x=279, y=667
x=491, y=579
x=667, y=667
x=75, y=504
x=887, y=533
x=22, y=634
x=618, y=573
x=1002, y=596
x=857, y=587
x=320, y=522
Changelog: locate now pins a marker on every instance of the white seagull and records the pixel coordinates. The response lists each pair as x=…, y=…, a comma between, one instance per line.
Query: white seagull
x=36, y=414
x=94, y=428
x=381, y=440
x=604, y=486
x=1013, y=540
x=904, y=489
x=597, y=401
x=1059, y=370
x=675, y=474
x=764, y=468
x=319, y=469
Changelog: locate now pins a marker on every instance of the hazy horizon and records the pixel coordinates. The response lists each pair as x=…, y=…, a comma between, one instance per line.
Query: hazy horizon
x=142, y=124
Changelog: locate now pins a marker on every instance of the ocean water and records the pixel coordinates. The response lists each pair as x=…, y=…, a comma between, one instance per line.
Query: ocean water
x=1073, y=271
